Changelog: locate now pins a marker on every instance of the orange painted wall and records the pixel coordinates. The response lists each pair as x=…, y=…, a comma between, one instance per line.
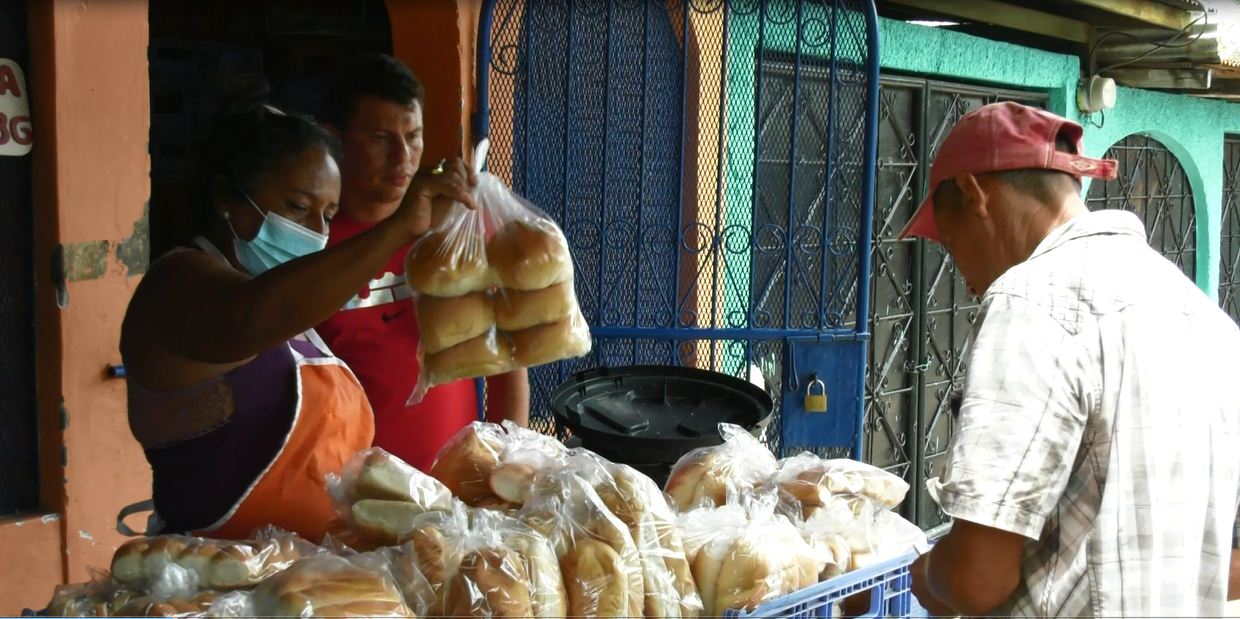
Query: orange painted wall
x=436, y=38
x=90, y=100
x=31, y=548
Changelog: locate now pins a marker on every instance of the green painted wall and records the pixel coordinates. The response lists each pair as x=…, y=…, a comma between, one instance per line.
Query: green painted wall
x=1191, y=128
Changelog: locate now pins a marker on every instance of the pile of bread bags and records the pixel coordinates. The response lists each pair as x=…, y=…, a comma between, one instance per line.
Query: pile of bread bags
x=510, y=523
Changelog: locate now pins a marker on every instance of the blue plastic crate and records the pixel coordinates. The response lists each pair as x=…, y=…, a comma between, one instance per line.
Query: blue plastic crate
x=889, y=584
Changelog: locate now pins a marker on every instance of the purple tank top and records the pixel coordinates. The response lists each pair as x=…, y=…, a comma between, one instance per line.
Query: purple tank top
x=196, y=481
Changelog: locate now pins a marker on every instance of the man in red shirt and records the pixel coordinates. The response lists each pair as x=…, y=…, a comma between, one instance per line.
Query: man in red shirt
x=374, y=104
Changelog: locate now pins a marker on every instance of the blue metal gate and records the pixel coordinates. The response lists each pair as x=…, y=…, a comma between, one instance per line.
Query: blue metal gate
x=712, y=164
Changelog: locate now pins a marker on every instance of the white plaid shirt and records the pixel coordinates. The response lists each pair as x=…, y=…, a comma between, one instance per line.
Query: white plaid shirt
x=1101, y=420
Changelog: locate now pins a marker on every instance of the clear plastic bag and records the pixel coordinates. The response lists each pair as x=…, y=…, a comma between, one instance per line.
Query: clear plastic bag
x=721, y=474
x=742, y=559
x=599, y=560
x=378, y=496
x=637, y=502
x=813, y=480
x=329, y=586
x=506, y=570
x=100, y=597
x=425, y=565
x=207, y=563
x=493, y=288
x=467, y=460
x=524, y=455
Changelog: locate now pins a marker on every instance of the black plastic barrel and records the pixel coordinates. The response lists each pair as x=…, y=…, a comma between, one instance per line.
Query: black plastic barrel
x=648, y=416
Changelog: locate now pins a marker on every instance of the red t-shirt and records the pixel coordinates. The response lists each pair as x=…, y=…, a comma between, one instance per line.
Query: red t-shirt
x=377, y=335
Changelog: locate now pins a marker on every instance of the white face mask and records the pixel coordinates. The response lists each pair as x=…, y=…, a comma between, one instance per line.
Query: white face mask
x=279, y=240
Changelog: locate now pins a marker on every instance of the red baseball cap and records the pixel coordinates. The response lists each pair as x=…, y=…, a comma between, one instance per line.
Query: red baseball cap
x=1001, y=137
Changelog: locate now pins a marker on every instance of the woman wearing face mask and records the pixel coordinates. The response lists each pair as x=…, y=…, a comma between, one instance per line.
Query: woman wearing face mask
x=238, y=405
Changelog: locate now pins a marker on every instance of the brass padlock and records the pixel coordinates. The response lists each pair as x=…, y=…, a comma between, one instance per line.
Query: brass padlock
x=816, y=402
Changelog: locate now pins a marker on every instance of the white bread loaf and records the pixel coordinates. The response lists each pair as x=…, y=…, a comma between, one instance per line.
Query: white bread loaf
x=521, y=309
x=448, y=263
x=486, y=355
x=466, y=462
x=548, y=599
x=490, y=582
x=594, y=577
x=566, y=339
x=329, y=586
x=243, y=565
x=444, y=322
x=530, y=255
x=384, y=476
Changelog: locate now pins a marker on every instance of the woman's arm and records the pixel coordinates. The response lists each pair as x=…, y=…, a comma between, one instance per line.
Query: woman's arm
x=199, y=309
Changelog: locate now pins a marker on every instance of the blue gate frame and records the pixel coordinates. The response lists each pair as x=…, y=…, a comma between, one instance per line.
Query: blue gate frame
x=712, y=164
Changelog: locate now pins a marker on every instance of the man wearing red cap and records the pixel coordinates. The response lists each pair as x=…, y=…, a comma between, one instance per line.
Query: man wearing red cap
x=1095, y=466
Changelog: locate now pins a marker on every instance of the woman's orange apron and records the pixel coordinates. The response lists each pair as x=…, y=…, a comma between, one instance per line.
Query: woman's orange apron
x=332, y=421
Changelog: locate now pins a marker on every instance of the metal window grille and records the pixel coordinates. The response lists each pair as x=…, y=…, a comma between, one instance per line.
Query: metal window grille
x=1229, y=249
x=1152, y=184
x=709, y=163
x=922, y=315
x=19, y=472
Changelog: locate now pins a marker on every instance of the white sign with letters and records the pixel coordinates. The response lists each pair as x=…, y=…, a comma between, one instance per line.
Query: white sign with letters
x=16, y=133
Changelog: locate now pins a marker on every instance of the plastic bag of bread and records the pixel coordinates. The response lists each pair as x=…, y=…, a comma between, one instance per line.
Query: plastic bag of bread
x=637, y=502
x=720, y=474
x=891, y=537
x=100, y=597
x=197, y=605
x=329, y=586
x=812, y=480
x=525, y=453
x=506, y=570
x=425, y=565
x=467, y=460
x=379, y=495
x=740, y=560
x=598, y=558
x=536, y=303
x=215, y=564
x=448, y=273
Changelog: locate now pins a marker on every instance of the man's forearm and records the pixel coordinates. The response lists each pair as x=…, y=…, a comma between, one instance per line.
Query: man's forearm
x=508, y=397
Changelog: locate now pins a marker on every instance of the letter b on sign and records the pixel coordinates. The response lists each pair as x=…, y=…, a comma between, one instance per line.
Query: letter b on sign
x=16, y=134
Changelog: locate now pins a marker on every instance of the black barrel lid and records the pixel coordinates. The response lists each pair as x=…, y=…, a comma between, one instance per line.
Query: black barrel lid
x=651, y=413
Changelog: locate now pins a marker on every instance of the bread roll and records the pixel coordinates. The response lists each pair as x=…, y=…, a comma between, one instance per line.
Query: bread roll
x=197, y=558
x=485, y=355
x=413, y=584
x=127, y=562
x=511, y=482
x=161, y=551
x=595, y=579
x=444, y=322
x=329, y=586
x=753, y=572
x=438, y=559
x=244, y=565
x=566, y=339
x=696, y=480
x=384, y=476
x=705, y=566
x=387, y=522
x=677, y=563
x=521, y=309
x=530, y=255
x=548, y=599
x=465, y=464
x=449, y=263
x=491, y=582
